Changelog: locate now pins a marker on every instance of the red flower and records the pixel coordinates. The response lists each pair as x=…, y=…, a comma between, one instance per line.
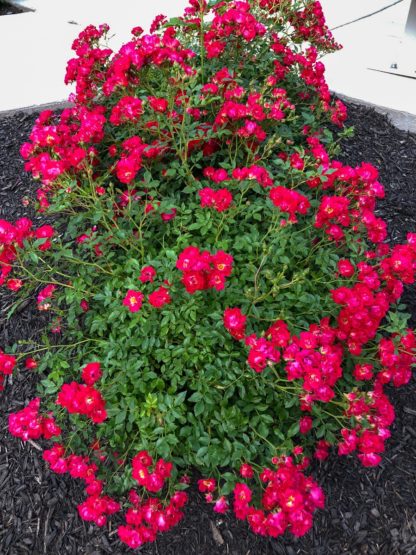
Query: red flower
x=223, y=262
x=91, y=373
x=30, y=363
x=148, y=273
x=45, y=294
x=133, y=300
x=220, y=200
x=7, y=363
x=82, y=399
x=207, y=196
x=235, y=322
x=363, y=372
x=44, y=232
x=207, y=485
x=305, y=424
x=168, y=216
x=246, y=470
x=216, y=280
x=289, y=201
x=160, y=297
x=127, y=109
x=14, y=284
x=192, y=259
x=257, y=360
x=158, y=104
x=345, y=268
x=194, y=281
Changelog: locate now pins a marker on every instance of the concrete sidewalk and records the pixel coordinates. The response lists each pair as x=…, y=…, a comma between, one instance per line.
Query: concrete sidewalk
x=35, y=47
x=370, y=46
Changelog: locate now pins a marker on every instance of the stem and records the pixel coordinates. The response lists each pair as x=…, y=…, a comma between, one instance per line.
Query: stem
x=264, y=439
x=71, y=345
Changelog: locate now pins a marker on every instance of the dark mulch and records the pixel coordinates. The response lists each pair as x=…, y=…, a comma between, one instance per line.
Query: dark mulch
x=369, y=511
x=9, y=9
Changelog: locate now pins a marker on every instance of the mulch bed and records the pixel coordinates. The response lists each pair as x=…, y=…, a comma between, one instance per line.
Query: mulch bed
x=369, y=511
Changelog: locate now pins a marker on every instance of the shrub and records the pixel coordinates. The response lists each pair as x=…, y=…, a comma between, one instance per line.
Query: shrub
x=222, y=286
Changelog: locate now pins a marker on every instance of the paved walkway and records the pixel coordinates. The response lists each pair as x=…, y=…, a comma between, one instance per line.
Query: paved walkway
x=35, y=46
x=370, y=45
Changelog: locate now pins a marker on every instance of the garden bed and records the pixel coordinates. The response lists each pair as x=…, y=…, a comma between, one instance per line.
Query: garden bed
x=368, y=511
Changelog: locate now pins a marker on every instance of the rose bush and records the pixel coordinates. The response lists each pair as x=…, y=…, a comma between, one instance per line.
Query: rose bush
x=221, y=284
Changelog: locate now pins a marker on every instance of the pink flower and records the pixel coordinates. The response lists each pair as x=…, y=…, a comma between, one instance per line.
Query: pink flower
x=221, y=505
x=246, y=471
x=45, y=294
x=133, y=300
x=235, y=322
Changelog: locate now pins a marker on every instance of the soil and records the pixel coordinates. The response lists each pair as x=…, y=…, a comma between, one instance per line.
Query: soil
x=9, y=9
x=368, y=511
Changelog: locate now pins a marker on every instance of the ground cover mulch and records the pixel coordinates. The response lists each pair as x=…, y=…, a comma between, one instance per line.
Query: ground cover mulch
x=368, y=511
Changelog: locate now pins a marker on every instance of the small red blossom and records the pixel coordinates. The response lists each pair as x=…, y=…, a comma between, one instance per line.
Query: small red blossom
x=305, y=424
x=91, y=373
x=133, y=300
x=7, y=363
x=246, y=471
x=221, y=506
x=148, y=273
x=14, y=284
x=160, y=297
x=30, y=363
x=235, y=322
x=207, y=485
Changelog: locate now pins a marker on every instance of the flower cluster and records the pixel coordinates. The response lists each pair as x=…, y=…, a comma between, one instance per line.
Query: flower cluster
x=29, y=424
x=44, y=296
x=203, y=270
x=220, y=200
x=289, y=500
x=82, y=399
x=97, y=507
x=146, y=518
x=397, y=355
x=158, y=298
x=289, y=201
x=12, y=237
x=373, y=413
x=154, y=480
